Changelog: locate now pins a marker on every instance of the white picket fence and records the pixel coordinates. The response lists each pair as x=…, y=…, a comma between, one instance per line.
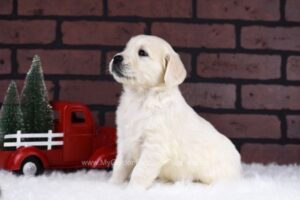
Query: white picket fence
x=19, y=136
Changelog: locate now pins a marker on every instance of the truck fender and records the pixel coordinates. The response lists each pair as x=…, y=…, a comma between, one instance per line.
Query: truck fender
x=16, y=159
x=102, y=158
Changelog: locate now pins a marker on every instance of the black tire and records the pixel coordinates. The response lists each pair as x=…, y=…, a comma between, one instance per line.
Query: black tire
x=31, y=166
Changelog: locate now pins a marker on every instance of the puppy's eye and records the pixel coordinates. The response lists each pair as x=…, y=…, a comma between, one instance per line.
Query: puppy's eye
x=142, y=53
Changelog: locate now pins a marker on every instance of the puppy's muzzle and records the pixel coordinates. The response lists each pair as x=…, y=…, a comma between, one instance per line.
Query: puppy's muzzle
x=117, y=65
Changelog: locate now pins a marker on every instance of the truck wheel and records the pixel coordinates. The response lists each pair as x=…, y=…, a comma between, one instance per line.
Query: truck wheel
x=31, y=166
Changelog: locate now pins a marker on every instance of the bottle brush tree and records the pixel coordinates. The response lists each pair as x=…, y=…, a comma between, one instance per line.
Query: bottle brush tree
x=11, y=118
x=37, y=113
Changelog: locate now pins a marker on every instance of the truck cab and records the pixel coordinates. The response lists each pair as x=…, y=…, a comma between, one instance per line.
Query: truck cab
x=78, y=126
x=83, y=140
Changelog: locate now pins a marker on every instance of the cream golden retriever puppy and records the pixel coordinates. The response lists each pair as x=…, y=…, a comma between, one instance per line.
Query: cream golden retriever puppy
x=159, y=134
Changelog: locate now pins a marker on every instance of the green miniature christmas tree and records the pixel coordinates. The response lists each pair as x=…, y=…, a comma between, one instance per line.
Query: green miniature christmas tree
x=37, y=113
x=11, y=118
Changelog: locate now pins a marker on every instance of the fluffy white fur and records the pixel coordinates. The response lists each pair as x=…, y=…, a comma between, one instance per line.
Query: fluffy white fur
x=159, y=134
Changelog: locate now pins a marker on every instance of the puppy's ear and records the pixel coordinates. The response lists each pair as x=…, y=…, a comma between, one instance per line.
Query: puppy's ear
x=175, y=72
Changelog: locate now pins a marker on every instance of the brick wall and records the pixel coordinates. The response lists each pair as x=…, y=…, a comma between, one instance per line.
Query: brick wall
x=243, y=59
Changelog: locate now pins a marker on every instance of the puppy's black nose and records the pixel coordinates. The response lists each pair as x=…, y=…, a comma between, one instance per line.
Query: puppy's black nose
x=118, y=59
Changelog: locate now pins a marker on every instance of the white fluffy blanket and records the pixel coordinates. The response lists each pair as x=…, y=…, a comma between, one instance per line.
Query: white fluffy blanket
x=270, y=182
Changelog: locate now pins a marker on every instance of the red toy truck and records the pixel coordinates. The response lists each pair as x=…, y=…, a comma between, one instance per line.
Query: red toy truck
x=76, y=143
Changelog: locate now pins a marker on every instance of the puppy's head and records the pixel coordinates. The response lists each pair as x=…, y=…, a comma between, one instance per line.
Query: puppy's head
x=148, y=61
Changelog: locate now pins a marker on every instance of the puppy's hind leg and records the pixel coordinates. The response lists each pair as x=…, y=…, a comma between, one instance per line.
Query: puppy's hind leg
x=121, y=170
x=147, y=169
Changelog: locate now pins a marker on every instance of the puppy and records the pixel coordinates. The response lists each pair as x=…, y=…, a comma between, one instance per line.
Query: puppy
x=159, y=134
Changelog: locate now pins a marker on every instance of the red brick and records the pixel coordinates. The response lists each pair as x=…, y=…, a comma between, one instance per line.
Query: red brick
x=209, y=94
x=101, y=33
x=293, y=68
x=293, y=126
x=292, y=8
x=243, y=9
x=196, y=35
x=6, y=7
x=149, y=8
x=244, y=66
x=271, y=153
x=110, y=119
x=245, y=126
x=4, y=85
x=82, y=62
x=90, y=92
x=27, y=31
x=5, y=63
x=278, y=38
x=60, y=7
x=270, y=97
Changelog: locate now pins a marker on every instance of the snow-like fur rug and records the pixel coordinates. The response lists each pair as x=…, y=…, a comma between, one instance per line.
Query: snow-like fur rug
x=258, y=182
